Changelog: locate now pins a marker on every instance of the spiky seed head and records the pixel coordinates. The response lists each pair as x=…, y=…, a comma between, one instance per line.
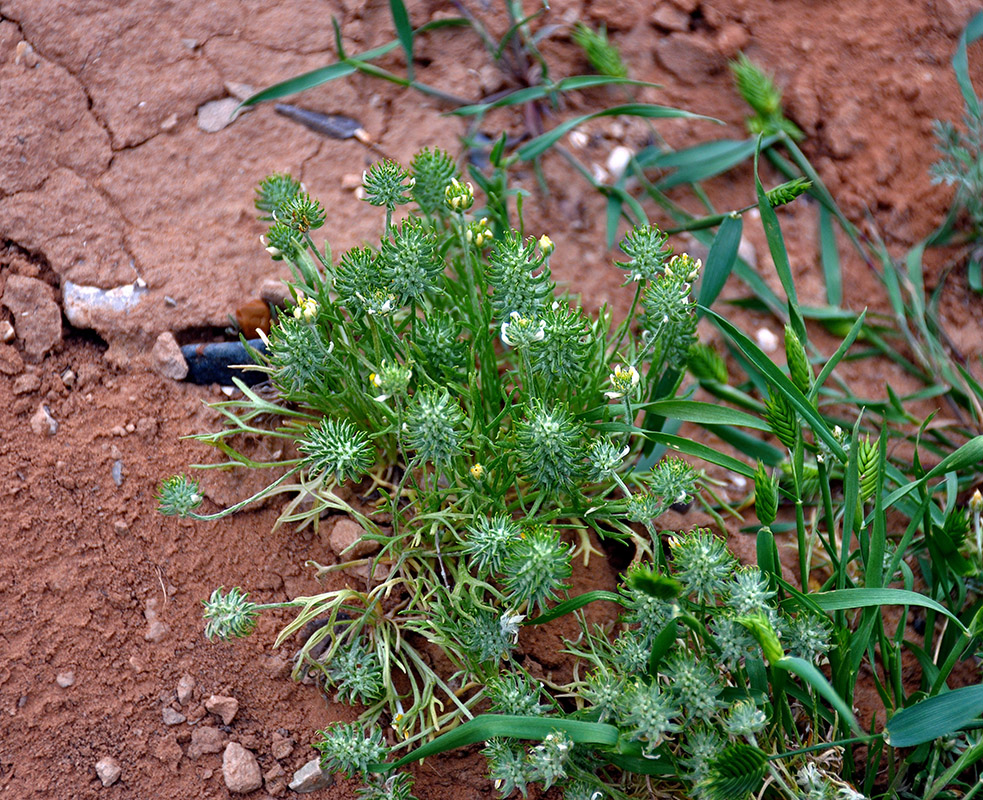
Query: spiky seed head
x=338, y=448
x=798, y=362
x=273, y=191
x=432, y=170
x=488, y=542
x=781, y=418
x=868, y=463
x=344, y=747
x=603, y=56
x=706, y=364
x=765, y=495
x=386, y=184
x=648, y=251
x=535, y=567
x=178, y=496
x=435, y=426
x=549, y=444
x=301, y=213
x=229, y=616
x=408, y=263
x=787, y=192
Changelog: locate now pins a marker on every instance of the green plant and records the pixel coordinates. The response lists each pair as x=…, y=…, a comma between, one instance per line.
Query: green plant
x=498, y=423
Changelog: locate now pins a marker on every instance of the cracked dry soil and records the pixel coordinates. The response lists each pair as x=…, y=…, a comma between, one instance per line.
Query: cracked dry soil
x=106, y=180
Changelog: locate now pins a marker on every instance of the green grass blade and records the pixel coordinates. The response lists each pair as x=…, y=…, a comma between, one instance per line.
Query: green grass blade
x=703, y=413
x=842, y=599
x=404, y=31
x=720, y=259
x=934, y=717
x=541, y=144
x=488, y=726
x=779, y=255
x=748, y=445
x=697, y=163
x=960, y=63
x=530, y=93
x=575, y=603
x=969, y=455
x=830, y=257
x=812, y=676
x=315, y=77
x=770, y=371
x=841, y=351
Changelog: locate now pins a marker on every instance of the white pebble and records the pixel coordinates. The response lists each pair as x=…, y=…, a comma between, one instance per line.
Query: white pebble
x=767, y=340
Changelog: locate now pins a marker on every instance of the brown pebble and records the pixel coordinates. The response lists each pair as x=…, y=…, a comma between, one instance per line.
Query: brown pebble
x=253, y=316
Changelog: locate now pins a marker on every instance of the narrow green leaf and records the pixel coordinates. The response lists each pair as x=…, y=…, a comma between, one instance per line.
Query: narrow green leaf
x=960, y=63
x=830, y=258
x=541, y=144
x=841, y=351
x=662, y=644
x=767, y=368
x=488, y=726
x=704, y=413
x=748, y=445
x=811, y=675
x=574, y=603
x=404, y=31
x=841, y=599
x=776, y=242
x=702, y=161
x=935, y=716
x=969, y=455
x=530, y=93
x=315, y=77
x=720, y=259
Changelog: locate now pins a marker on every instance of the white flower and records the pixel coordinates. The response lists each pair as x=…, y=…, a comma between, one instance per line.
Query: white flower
x=623, y=380
x=510, y=625
x=518, y=331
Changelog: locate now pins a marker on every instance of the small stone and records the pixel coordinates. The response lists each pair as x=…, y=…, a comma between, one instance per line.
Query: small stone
x=172, y=717
x=223, y=706
x=670, y=17
x=108, y=770
x=240, y=91
x=68, y=378
x=346, y=534
x=42, y=423
x=281, y=746
x=218, y=114
x=168, y=751
x=205, y=739
x=168, y=359
x=24, y=54
x=731, y=39
x=351, y=180
x=37, y=316
x=10, y=361
x=748, y=252
x=117, y=472
x=26, y=383
x=490, y=78
x=578, y=140
x=94, y=307
x=688, y=56
x=185, y=687
x=767, y=340
x=65, y=679
x=310, y=778
x=240, y=769
x=169, y=123
x=618, y=161
x=253, y=317
x=156, y=630
x=7, y=332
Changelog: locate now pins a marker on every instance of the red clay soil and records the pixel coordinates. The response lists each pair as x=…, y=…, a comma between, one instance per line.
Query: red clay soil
x=105, y=177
